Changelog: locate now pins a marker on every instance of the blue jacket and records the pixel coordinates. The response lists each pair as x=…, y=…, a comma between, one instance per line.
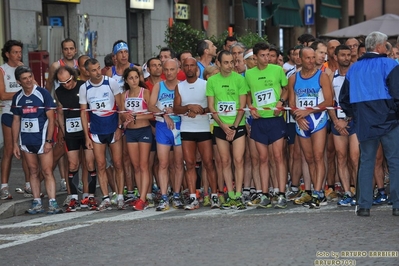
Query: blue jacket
x=370, y=94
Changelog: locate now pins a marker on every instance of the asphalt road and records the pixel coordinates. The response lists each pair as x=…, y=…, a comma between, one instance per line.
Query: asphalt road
x=295, y=236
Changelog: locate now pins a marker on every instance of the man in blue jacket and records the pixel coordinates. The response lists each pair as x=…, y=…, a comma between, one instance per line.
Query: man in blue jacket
x=370, y=96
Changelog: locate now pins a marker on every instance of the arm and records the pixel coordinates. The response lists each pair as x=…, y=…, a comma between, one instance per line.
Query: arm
x=50, y=80
x=50, y=130
x=15, y=128
x=191, y=109
x=152, y=104
x=339, y=124
x=83, y=116
x=301, y=122
x=283, y=96
x=240, y=113
x=3, y=94
x=109, y=72
x=253, y=111
x=60, y=115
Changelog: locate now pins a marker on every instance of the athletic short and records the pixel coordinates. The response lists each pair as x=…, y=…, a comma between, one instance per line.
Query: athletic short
x=195, y=136
x=135, y=135
x=219, y=133
x=291, y=133
x=330, y=124
x=268, y=130
x=167, y=137
x=6, y=119
x=249, y=120
x=213, y=139
x=35, y=149
x=103, y=139
x=317, y=121
x=75, y=144
x=351, y=129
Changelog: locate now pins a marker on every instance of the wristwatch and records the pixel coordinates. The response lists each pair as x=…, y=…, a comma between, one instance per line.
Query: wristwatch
x=233, y=128
x=49, y=140
x=282, y=100
x=347, y=119
x=121, y=127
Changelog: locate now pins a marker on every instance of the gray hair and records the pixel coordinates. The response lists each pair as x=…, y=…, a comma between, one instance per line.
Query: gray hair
x=239, y=44
x=373, y=39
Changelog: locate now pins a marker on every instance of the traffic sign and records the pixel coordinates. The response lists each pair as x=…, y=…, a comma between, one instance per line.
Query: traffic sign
x=309, y=14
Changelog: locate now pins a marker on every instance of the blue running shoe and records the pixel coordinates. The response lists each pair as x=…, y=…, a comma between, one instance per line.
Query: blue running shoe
x=36, y=208
x=345, y=201
x=53, y=207
x=380, y=198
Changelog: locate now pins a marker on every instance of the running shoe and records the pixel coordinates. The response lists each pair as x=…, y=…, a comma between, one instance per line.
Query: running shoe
x=28, y=192
x=345, y=201
x=222, y=200
x=114, y=198
x=150, y=203
x=314, y=203
x=105, y=205
x=274, y=199
x=36, y=208
x=207, y=201
x=162, y=206
x=255, y=201
x=139, y=205
x=63, y=185
x=93, y=205
x=229, y=204
x=264, y=202
x=281, y=202
x=305, y=197
x=331, y=195
x=246, y=197
x=240, y=204
x=5, y=194
x=193, y=204
x=380, y=198
x=84, y=203
x=323, y=201
x=177, y=204
x=291, y=195
x=53, y=207
x=73, y=206
x=67, y=201
x=121, y=204
x=215, y=204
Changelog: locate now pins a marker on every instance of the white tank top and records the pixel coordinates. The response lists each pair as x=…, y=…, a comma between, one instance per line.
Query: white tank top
x=10, y=83
x=194, y=93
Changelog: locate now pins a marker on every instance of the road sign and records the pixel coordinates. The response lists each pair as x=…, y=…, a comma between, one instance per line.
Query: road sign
x=205, y=19
x=309, y=14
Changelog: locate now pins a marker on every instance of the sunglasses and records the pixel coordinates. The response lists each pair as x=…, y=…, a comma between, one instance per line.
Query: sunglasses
x=66, y=81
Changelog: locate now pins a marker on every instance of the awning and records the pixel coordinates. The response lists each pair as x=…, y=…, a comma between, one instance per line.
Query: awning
x=287, y=14
x=251, y=11
x=330, y=9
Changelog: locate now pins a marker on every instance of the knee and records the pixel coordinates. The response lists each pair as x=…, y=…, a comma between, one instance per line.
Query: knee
x=341, y=158
x=238, y=161
x=190, y=165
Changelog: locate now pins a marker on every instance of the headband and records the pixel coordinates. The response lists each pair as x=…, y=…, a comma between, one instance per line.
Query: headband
x=120, y=46
x=248, y=55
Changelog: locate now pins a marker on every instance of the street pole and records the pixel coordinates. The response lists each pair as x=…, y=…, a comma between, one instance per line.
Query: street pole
x=260, y=18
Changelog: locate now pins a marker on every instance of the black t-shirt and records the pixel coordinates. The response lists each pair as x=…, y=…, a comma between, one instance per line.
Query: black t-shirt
x=70, y=99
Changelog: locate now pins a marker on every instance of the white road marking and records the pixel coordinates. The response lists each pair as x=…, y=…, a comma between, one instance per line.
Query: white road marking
x=48, y=219
x=131, y=215
x=23, y=239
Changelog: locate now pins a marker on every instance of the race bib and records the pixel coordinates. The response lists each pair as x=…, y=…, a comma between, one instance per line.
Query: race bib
x=73, y=125
x=227, y=108
x=100, y=104
x=133, y=104
x=306, y=102
x=265, y=97
x=167, y=104
x=29, y=125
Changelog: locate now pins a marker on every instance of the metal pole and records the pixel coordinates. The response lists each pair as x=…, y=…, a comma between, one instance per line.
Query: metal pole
x=260, y=18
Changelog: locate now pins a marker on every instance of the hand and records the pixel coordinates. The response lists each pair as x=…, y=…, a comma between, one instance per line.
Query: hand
x=254, y=113
x=303, y=124
x=278, y=105
x=230, y=133
x=168, y=110
x=341, y=126
x=191, y=114
x=169, y=122
x=301, y=113
x=17, y=151
x=89, y=144
x=118, y=134
x=195, y=108
x=47, y=147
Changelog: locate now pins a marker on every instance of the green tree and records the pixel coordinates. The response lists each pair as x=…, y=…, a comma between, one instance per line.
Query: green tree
x=181, y=37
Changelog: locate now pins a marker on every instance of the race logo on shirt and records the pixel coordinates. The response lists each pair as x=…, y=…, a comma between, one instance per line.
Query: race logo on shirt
x=29, y=110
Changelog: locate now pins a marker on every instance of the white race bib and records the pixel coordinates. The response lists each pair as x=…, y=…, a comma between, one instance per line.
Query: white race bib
x=73, y=125
x=167, y=104
x=133, y=104
x=227, y=108
x=30, y=125
x=306, y=102
x=265, y=97
x=100, y=104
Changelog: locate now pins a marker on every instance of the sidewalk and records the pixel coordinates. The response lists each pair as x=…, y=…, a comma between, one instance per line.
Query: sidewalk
x=19, y=204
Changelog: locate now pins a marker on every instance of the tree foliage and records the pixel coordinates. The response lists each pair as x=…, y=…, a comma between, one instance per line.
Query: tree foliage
x=181, y=37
